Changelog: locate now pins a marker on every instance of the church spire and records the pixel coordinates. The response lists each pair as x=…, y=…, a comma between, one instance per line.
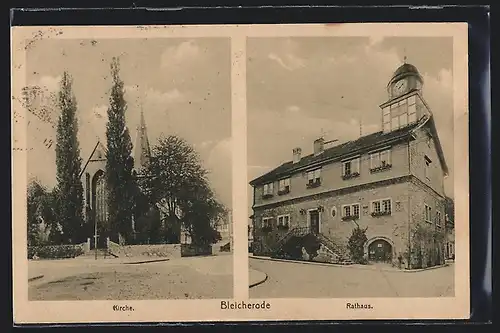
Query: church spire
x=141, y=146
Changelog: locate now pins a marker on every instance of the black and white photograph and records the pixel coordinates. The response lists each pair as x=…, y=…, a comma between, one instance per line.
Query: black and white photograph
x=350, y=165
x=129, y=168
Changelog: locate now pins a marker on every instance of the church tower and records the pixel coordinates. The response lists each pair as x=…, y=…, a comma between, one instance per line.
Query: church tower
x=141, y=153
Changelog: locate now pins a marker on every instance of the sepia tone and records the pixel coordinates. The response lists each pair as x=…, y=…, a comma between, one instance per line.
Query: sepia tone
x=371, y=198
x=154, y=256
x=244, y=100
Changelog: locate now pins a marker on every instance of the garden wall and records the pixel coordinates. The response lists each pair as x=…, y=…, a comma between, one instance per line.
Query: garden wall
x=190, y=250
x=150, y=250
x=56, y=251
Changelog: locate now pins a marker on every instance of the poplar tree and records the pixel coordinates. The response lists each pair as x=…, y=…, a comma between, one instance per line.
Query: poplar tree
x=68, y=163
x=119, y=163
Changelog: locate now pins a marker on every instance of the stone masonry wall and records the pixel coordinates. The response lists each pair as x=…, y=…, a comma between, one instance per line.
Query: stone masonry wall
x=160, y=250
x=393, y=227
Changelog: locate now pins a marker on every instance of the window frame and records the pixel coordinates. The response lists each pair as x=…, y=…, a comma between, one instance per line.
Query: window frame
x=354, y=166
x=428, y=216
x=270, y=187
x=427, y=167
x=351, y=209
x=383, y=210
x=378, y=155
x=286, y=184
x=283, y=216
x=263, y=224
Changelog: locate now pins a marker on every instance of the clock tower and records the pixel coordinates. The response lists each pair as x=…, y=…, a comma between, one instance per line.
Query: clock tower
x=405, y=103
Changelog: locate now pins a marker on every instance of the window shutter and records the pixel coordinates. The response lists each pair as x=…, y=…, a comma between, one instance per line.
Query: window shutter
x=356, y=165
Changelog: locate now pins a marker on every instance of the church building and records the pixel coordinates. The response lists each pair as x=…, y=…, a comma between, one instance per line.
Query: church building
x=93, y=177
x=390, y=183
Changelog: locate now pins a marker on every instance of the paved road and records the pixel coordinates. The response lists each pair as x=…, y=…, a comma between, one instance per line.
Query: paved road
x=297, y=280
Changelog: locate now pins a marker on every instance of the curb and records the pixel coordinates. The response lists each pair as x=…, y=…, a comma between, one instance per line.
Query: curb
x=259, y=282
x=144, y=262
x=38, y=277
x=349, y=266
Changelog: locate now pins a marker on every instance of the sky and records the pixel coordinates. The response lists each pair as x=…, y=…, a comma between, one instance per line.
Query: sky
x=183, y=86
x=301, y=88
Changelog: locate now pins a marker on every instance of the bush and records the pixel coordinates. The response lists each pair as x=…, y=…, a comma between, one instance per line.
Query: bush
x=55, y=251
x=356, y=245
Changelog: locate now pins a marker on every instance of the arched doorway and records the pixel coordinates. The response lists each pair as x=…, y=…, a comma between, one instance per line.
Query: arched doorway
x=380, y=250
x=99, y=207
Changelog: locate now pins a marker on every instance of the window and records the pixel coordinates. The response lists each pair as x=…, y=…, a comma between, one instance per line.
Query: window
x=350, y=168
x=266, y=222
x=438, y=219
x=380, y=160
x=314, y=178
x=399, y=114
x=428, y=214
x=284, y=186
x=284, y=220
x=386, y=114
x=381, y=207
x=268, y=189
x=349, y=211
x=412, y=109
x=427, y=168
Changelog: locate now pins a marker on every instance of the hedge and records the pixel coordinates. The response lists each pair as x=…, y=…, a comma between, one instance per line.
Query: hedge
x=55, y=251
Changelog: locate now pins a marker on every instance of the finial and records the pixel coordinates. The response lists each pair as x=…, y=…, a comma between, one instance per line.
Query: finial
x=360, y=127
x=404, y=58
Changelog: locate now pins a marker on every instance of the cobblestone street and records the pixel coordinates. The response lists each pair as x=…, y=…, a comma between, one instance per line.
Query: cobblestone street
x=298, y=280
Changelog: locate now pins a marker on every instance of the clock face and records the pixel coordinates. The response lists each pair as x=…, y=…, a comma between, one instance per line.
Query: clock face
x=400, y=87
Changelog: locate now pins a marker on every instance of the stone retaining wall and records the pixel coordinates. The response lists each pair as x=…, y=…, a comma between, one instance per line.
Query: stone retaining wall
x=156, y=250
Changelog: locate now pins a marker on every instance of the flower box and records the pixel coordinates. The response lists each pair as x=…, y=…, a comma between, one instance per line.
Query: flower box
x=313, y=184
x=283, y=227
x=375, y=214
x=350, y=176
x=350, y=217
x=267, y=196
x=381, y=168
x=283, y=192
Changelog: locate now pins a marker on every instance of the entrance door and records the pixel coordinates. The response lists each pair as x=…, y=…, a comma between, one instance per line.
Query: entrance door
x=314, y=219
x=380, y=251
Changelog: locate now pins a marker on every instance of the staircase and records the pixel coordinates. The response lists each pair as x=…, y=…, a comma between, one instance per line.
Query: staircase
x=101, y=254
x=337, y=253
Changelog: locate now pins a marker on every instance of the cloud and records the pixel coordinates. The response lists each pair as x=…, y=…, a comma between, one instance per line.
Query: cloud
x=219, y=165
x=51, y=83
x=288, y=61
x=167, y=97
x=174, y=56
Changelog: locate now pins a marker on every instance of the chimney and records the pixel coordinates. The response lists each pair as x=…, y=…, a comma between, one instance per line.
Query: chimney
x=319, y=146
x=296, y=154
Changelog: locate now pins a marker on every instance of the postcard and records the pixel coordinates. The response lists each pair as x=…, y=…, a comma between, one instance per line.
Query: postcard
x=240, y=173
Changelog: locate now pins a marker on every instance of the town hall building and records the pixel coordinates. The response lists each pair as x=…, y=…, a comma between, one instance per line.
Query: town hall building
x=390, y=182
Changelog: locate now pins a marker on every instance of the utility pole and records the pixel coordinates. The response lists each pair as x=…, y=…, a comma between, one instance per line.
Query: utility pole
x=95, y=238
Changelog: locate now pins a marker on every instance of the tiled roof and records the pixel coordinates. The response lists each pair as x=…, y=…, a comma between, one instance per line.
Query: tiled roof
x=337, y=152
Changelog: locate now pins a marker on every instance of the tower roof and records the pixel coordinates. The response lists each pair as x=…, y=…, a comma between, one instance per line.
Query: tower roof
x=405, y=69
x=141, y=151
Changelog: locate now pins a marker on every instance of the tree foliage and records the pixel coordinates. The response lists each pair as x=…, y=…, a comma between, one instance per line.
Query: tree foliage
x=68, y=161
x=356, y=244
x=119, y=163
x=177, y=181
x=43, y=226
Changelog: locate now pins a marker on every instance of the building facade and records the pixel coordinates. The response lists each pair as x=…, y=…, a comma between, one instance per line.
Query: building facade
x=390, y=183
x=94, y=181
